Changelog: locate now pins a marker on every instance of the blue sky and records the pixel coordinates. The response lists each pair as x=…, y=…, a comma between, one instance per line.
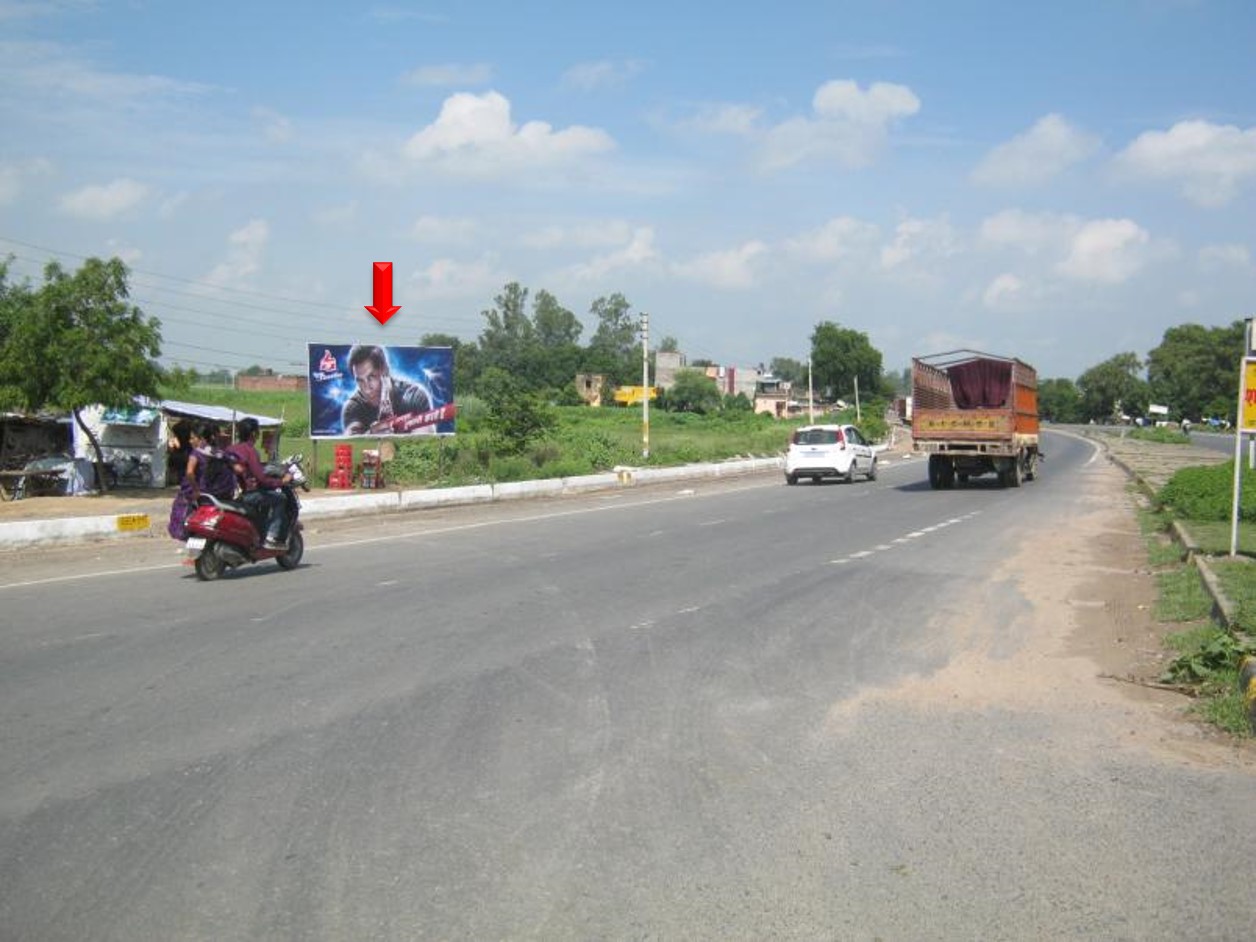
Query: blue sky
x=1056, y=181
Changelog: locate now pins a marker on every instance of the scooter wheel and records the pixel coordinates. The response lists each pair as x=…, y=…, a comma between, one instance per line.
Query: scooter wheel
x=208, y=565
x=296, y=549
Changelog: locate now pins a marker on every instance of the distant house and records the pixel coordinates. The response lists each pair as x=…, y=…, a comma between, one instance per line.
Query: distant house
x=589, y=387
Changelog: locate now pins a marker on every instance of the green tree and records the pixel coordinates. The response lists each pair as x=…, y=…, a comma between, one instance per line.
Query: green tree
x=1059, y=400
x=669, y=344
x=1195, y=370
x=516, y=416
x=1113, y=387
x=693, y=391
x=555, y=358
x=613, y=348
x=78, y=341
x=840, y=356
x=508, y=333
x=791, y=370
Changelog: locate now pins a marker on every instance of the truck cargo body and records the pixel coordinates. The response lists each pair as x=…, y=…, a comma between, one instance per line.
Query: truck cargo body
x=975, y=414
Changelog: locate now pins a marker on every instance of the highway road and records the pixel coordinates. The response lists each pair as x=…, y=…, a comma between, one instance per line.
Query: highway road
x=729, y=709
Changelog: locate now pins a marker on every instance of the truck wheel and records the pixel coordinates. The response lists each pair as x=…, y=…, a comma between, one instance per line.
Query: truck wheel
x=935, y=472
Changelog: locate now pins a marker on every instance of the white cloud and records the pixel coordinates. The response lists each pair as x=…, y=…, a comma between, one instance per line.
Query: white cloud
x=1211, y=162
x=1225, y=256
x=336, y=215
x=849, y=126
x=475, y=134
x=171, y=204
x=276, y=128
x=1046, y=150
x=592, y=75
x=639, y=251
x=128, y=253
x=724, y=119
x=450, y=74
x=13, y=177
x=1109, y=251
x=1033, y=233
x=1004, y=291
x=447, y=278
x=837, y=239
x=608, y=232
x=732, y=269
x=245, y=248
x=104, y=201
x=443, y=229
x=920, y=239
x=41, y=67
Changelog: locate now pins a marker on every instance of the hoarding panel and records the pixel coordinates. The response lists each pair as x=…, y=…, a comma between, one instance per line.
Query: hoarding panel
x=373, y=390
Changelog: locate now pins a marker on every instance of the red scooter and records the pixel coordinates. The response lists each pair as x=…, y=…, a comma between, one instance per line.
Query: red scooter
x=223, y=534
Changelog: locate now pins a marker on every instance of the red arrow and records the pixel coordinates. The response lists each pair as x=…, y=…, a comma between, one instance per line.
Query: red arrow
x=383, y=308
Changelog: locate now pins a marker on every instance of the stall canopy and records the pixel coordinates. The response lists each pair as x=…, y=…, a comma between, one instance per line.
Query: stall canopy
x=220, y=414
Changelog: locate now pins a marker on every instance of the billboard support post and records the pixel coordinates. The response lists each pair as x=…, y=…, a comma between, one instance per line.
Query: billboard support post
x=1245, y=424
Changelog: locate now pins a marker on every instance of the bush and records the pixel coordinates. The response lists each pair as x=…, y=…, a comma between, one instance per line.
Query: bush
x=1207, y=493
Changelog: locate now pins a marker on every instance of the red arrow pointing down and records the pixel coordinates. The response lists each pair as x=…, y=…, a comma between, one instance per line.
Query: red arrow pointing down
x=383, y=308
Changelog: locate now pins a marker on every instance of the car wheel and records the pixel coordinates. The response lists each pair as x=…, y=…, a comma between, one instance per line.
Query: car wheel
x=791, y=479
x=872, y=470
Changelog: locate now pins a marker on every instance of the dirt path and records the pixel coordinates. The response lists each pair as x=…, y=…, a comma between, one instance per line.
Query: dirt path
x=1081, y=647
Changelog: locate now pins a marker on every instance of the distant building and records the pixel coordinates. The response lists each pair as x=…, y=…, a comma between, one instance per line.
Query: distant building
x=589, y=387
x=272, y=382
x=666, y=365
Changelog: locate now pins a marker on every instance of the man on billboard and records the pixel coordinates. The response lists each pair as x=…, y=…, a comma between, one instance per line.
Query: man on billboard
x=380, y=399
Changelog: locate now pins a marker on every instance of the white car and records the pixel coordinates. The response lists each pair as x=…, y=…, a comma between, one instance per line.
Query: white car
x=829, y=451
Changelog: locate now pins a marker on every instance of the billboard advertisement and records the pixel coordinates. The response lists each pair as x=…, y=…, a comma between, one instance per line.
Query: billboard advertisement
x=373, y=390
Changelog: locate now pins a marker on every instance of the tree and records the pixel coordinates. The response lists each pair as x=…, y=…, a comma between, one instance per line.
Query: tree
x=1059, y=400
x=789, y=370
x=516, y=416
x=693, y=391
x=555, y=326
x=669, y=344
x=1113, y=387
x=1195, y=370
x=840, y=357
x=78, y=341
x=613, y=348
x=508, y=332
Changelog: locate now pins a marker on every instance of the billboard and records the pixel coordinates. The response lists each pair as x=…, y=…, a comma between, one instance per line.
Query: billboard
x=373, y=390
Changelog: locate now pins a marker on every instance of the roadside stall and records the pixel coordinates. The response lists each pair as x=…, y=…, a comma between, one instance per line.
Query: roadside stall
x=135, y=440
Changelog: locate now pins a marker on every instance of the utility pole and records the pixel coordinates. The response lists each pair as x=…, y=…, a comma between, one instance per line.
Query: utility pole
x=858, y=416
x=645, y=385
x=811, y=396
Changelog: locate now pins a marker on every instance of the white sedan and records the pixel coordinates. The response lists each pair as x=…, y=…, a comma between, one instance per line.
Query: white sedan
x=829, y=451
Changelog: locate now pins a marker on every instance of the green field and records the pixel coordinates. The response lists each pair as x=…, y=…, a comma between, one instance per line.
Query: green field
x=586, y=440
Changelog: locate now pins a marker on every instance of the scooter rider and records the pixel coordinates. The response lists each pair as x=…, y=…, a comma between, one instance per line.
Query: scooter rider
x=260, y=488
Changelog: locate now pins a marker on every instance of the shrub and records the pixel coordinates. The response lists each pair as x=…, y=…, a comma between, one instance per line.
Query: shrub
x=1207, y=493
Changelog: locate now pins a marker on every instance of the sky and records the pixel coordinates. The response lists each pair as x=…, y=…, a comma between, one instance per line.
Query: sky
x=1060, y=182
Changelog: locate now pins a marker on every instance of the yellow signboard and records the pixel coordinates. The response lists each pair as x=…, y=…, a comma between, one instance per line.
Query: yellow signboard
x=130, y=523
x=1247, y=419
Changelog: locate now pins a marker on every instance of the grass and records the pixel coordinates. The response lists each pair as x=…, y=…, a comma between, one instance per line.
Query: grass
x=1209, y=653
x=586, y=440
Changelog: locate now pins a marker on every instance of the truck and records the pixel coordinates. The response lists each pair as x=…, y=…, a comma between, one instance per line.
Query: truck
x=975, y=414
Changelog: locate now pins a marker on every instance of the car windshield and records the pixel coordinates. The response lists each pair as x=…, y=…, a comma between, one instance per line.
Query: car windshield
x=818, y=436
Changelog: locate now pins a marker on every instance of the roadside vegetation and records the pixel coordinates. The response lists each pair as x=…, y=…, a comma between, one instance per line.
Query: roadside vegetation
x=556, y=440
x=1209, y=649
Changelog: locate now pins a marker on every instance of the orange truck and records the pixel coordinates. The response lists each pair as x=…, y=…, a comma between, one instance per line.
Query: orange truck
x=974, y=414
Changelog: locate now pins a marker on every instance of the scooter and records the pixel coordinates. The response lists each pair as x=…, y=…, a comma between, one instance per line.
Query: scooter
x=223, y=534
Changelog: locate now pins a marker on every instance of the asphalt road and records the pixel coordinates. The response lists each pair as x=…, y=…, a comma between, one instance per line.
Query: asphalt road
x=638, y=715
